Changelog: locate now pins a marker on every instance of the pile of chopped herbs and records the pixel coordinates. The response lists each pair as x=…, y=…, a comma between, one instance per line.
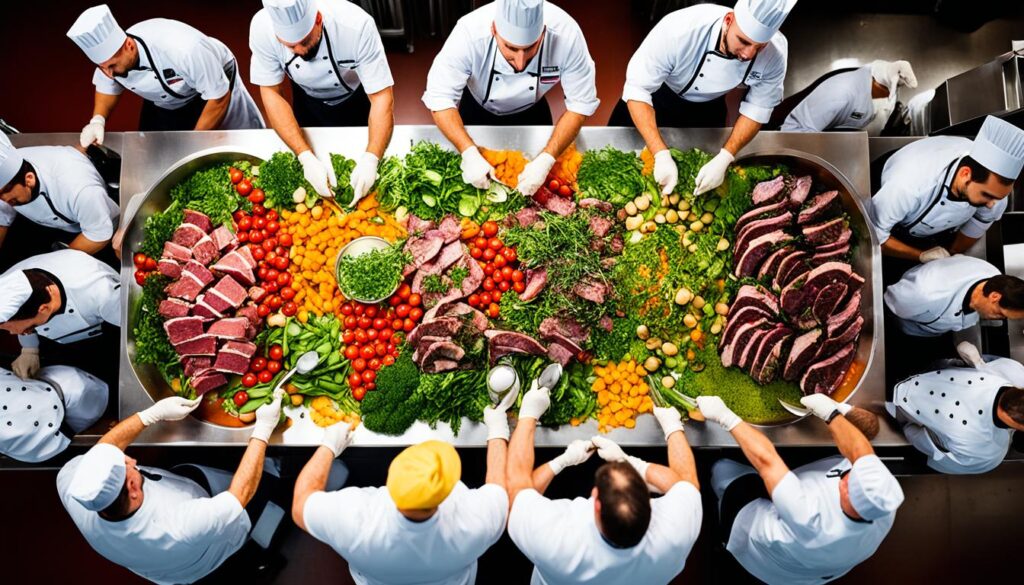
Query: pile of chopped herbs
x=689, y=163
x=151, y=343
x=610, y=175
x=452, y=396
x=279, y=178
x=373, y=275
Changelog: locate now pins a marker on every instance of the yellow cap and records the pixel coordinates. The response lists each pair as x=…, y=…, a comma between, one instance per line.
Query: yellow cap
x=423, y=475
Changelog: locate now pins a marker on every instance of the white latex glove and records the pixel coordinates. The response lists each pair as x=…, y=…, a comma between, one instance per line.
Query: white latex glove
x=936, y=253
x=609, y=450
x=821, y=406
x=318, y=174
x=970, y=354
x=535, y=402
x=714, y=409
x=576, y=453
x=666, y=173
x=669, y=419
x=363, y=176
x=27, y=364
x=893, y=74
x=173, y=408
x=475, y=169
x=93, y=131
x=337, y=437
x=711, y=175
x=267, y=418
x=496, y=417
x=535, y=173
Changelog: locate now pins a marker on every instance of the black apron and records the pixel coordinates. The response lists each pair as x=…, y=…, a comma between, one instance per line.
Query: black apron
x=473, y=114
x=673, y=111
x=311, y=112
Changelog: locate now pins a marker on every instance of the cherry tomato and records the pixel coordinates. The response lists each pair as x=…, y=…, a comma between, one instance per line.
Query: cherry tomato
x=381, y=349
x=289, y=309
x=261, y=273
x=238, y=215
x=265, y=377
x=140, y=277
x=519, y=287
x=285, y=240
x=360, y=309
x=497, y=277
x=506, y=273
x=489, y=269
x=565, y=191
x=365, y=322
x=257, y=196
x=394, y=301
x=359, y=392
x=361, y=336
x=354, y=381
x=271, y=287
x=273, y=366
x=257, y=253
x=358, y=365
x=480, y=243
x=386, y=333
x=241, y=397
x=416, y=313
x=287, y=293
x=255, y=236
x=493, y=311
x=408, y=325
x=351, y=352
x=518, y=276
x=367, y=352
x=275, y=302
x=404, y=291
x=372, y=334
x=268, y=246
x=380, y=323
x=244, y=187
x=284, y=279
x=346, y=309
x=474, y=300
x=258, y=364
x=490, y=228
x=489, y=254
x=372, y=311
x=259, y=223
x=272, y=274
x=415, y=300
x=496, y=295
x=271, y=215
x=397, y=324
x=388, y=360
x=488, y=284
x=397, y=338
x=504, y=285
x=348, y=336
x=140, y=260
x=150, y=264
x=495, y=244
x=554, y=185
x=262, y=311
x=475, y=252
x=249, y=380
x=351, y=322
x=500, y=261
x=485, y=299
x=402, y=311
x=281, y=262
x=276, y=352
x=510, y=254
x=243, y=237
x=235, y=175
x=369, y=376
x=259, y=210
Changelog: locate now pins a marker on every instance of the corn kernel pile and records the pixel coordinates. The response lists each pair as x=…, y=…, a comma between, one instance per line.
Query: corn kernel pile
x=324, y=413
x=622, y=394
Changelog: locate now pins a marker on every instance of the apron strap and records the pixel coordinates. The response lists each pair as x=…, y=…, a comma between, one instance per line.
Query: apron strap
x=539, y=69
x=49, y=203
x=156, y=70
x=696, y=72
x=938, y=197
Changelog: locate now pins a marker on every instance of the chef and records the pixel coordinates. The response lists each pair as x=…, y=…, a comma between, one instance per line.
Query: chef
x=166, y=527
x=953, y=294
x=38, y=418
x=688, y=63
x=63, y=296
x=495, y=69
x=57, y=187
x=962, y=418
x=945, y=184
x=809, y=525
x=861, y=99
x=333, y=56
x=187, y=80
x=617, y=536
x=425, y=526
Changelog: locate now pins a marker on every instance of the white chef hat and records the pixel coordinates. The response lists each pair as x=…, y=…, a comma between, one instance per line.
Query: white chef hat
x=10, y=160
x=893, y=74
x=999, y=147
x=97, y=34
x=874, y=492
x=520, y=22
x=99, y=477
x=761, y=19
x=14, y=291
x=293, y=19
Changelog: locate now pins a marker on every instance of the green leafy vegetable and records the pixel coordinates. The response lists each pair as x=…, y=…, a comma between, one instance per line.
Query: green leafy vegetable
x=572, y=400
x=343, y=167
x=458, y=274
x=450, y=396
x=434, y=283
x=610, y=175
x=279, y=178
x=373, y=275
x=428, y=183
x=151, y=343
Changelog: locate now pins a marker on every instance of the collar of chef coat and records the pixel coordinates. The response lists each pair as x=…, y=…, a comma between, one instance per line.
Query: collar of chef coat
x=966, y=306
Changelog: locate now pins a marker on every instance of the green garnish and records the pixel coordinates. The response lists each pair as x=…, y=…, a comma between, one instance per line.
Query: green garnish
x=373, y=275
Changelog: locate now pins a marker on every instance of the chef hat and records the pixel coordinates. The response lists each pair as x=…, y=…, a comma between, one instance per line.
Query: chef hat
x=874, y=492
x=10, y=160
x=99, y=477
x=293, y=19
x=892, y=74
x=423, y=475
x=761, y=19
x=520, y=22
x=14, y=291
x=97, y=34
x=999, y=147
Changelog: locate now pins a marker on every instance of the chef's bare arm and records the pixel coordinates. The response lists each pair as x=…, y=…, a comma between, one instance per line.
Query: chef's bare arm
x=565, y=132
x=961, y=243
x=761, y=454
x=214, y=112
x=898, y=249
x=742, y=133
x=3, y=235
x=497, y=457
x=282, y=118
x=381, y=121
x=311, y=480
x=104, y=104
x=250, y=470
x=519, y=475
x=681, y=465
x=646, y=123
x=83, y=243
x=124, y=432
x=449, y=122
x=851, y=442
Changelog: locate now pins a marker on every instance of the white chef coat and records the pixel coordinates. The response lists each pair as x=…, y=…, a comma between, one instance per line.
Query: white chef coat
x=950, y=415
x=7, y=215
x=682, y=52
x=72, y=195
x=802, y=535
x=842, y=101
x=928, y=300
x=914, y=192
x=92, y=292
x=350, y=53
x=470, y=58
x=188, y=64
x=31, y=411
x=364, y=526
x=179, y=534
x=565, y=546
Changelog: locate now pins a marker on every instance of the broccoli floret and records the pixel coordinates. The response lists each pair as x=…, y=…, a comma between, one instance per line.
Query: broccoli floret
x=394, y=405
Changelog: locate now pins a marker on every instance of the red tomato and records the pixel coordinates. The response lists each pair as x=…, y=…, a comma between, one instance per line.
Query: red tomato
x=509, y=254
x=351, y=322
x=381, y=349
x=488, y=284
x=371, y=311
x=489, y=254
x=386, y=333
x=244, y=187
x=480, y=243
x=496, y=295
x=255, y=236
x=271, y=215
x=287, y=293
x=361, y=336
x=358, y=365
x=415, y=300
x=404, y=291
x=372, y=334
x=348, y=336
x=351, y=352
x=272, y=274
x=416, y=314
x=276, y=352
x=140, y=260
x=268, y=246
x=493, y=311
x=359, y=309
x=275, y=302
x=490, y=228
x=273, y=366
x=243, y=237
x=347, y=309
x=238, y=215
x=259, y=210
x=485, y=299
x=506, y=272
x=262, y=311
x=140, y=277
x=235, y=175
x=519, y=287
x=402, y=311
x=259, y=223
x=396, y=324
x=504, y=285
x=354, y=381
x=474, y=300
x=380, y=323
x=489, y=269
x=241, y=397
x=261, y=273
x=475, y=252
x=289, y=309
x=367, y=352
x=408, y=325
x=365, y=322
x=358, y=392
x=565, y=191
x=258, y=364
x=369, y=376
x=500, y=261
x=271, y=287
x=518, y=276
x=554, y=185
x=249, y=380
x=394, y=301
x=388, y=360
x=281, y=262
x=265, y=377
x=497, y=277
x=285, y=240
x=257, y=196
x=495, y=244
x=257, y=253
x=284, y=279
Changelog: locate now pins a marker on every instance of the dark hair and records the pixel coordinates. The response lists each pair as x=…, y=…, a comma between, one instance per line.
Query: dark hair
x=625, y=504
x=865, y=421
x=120, y=508
x=1011, y=287
x=979, y=174
x=1012, y=401
x=19, y=177
x=39, y=297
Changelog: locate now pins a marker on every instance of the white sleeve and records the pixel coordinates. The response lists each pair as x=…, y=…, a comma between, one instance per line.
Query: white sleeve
x=791, y=502
x=892, y=204
x=374, y=72
x=536, y=526
x=204, y=519
x=265, y=68
x=579, y=79
x=483, y=513
x=814, y=115
x=763, y=96
x=905, y=303
x=651, y=65
x=676, y=517
x=7, y=215
x=946, y=461
x=1007, y=368
x=28, y=340
x=449, y=73
x=110, y=309
x=202, y=69
x=93, y=213
x=983, y=219
x=330, y=517
x=106, y=85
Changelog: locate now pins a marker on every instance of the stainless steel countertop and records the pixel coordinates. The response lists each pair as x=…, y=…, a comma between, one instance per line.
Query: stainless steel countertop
x=147, y=156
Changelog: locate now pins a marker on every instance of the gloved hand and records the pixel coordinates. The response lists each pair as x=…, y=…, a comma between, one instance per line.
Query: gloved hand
x=475, y=170
x=669, y=419
x=893, y=74
x=714, y=409
x=93, y=131
x=535, y=402
x=936, y=253
x=337, y=437
x=666, y=173
x=711, y=175
x=970, y=354
x=173, y=408
x=609, y=450
x=535, y=173
x=27, y=364
x=576, y=453
x=363, y=176
x=318, y=174
x=267, y=418
x=821, y=406
x=496, y=417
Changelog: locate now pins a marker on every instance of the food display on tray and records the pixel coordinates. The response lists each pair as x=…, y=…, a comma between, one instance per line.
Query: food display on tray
x=410, y=297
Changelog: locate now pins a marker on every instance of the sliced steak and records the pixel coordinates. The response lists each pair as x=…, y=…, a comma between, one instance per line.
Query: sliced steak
x=207, y=380
x=169, y=268
x=215, y=302
x=845, y=315
x=205, y=250
x=438, y=366
x=759, y=213
x=769, y=354
x=257, y=293
x=473, y=280
x=842, y=240
x=242, y=348
x=823, y=233
x=771, y=264
x=827, y=300
x=759, y=249
x=758, y=228
x=606, y=323
x=801, y=189
x=416, y=225
x=449, y=255
x=844, y=336
x=171, y=308
x=235, y=264
x=194, y=365
x=838, y=255
x=560, y=206
x=230, y=328
x=187, y=288
x=566, y=343
x=535, y=282
x=591, y=290
x=199, y=271
x=801, y=293
x=749, y=351
x=825, y=376
x=768, y=191
x=229, y=290
x=440, y=327
x=181, y=329
x=756, y=296
x=450, y=229
x=559, y=353
x=422, y=250
x=732, y=351
x=177, y=252
x=525, y=217
x=202, y=345
x=441, y=350
x=203, y=309
x=565, y=327
x=592, y=203
x=512, y=339
x=600, y=226
x=737, y=318
x=855, y=283
x=223, y=238
x=802, y=354
x=794, y=271
x=821, y=207
x=250, y=313
x=198, y=219
x=187, y=235
x=231, y=363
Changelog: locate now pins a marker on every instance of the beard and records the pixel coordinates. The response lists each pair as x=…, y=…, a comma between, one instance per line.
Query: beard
x=312, y=52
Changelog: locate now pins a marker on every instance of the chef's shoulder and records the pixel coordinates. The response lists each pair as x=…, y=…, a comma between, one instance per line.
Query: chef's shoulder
x=561, y=22
x=928, y=155
x=174, y=36
x=349, y=17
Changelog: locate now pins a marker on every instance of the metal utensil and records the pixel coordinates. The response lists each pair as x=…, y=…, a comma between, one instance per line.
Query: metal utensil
x=305, y=365
x=503, y=385
x=793, y=409
x=550, y=376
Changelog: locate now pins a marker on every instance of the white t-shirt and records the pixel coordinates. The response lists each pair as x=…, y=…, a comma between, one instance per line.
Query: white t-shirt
x=383, y=547
x=178, y=535
x=565, y=546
